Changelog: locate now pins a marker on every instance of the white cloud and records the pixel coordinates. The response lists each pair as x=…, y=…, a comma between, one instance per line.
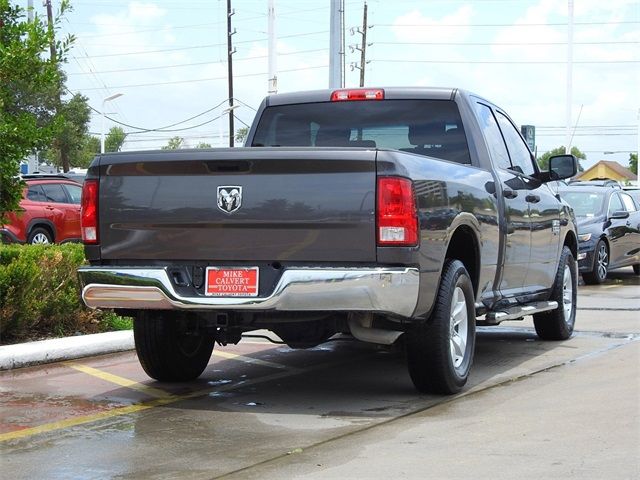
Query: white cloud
x=416, y=27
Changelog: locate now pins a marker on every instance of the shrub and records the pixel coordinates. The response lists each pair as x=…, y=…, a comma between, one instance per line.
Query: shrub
x=40, y=294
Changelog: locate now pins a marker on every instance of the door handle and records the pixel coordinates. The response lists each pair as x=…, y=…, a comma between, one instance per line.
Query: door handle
x=508, y=193
x=531, y=198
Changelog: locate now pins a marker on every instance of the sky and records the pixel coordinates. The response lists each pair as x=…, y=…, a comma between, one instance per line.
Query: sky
x=168, y=59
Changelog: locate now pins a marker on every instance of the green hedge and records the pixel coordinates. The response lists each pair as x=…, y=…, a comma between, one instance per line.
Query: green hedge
x=40, y=295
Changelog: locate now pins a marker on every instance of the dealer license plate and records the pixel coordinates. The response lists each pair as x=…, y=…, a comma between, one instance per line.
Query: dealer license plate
x=232, y=282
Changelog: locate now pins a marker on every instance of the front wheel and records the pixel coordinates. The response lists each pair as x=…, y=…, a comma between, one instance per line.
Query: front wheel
x=636, y=269
x=440, y=351
x=558, y=324
x=169, y=353
x=600, y=265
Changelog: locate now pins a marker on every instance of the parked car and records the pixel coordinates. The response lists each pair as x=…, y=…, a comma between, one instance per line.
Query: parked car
x=49, y=212
x=595, y=183
x=608, y=230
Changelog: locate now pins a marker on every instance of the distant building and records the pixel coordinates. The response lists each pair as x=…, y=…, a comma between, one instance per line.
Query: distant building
x=607, y=170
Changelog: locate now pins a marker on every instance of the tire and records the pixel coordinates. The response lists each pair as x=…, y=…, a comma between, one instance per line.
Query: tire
x=600, y=265
x=558, y=324
x=167, y=354
x=636, y=269
x=437, y=362
x=40, y=236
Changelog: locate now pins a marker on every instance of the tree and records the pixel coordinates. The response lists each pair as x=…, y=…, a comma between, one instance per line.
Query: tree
x=633, y=162
x=68, y=144
x=543, y=161
x=203, y=145
x=241, y=134
x=90, y=148
x=115, y=139
x=174, y=143
x=29, y=82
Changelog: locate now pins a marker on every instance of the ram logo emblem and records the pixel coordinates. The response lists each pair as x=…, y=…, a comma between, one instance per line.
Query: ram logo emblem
x=229, y=198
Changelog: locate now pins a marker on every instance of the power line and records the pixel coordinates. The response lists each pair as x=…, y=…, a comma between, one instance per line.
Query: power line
x=193, y=64
x=164, y=129
x=164, y=50
x=436, y=25
x=177, y=82
x=510, y=62
x=484, y=44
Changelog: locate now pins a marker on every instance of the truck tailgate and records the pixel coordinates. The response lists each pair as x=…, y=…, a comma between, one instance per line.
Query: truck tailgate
x=276, y=204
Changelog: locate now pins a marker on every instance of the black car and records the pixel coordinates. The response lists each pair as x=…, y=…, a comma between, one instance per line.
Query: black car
x=608, y=229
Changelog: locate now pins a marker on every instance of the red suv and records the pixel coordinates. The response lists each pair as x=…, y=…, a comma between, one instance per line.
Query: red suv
x=49, y=212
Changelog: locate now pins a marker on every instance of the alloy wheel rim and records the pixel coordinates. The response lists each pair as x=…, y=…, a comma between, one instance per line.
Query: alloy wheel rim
x=603, y=261
x=459, y=327
x=40, y=239
x=567, y=295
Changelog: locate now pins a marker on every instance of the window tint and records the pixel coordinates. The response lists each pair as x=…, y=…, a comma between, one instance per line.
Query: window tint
x=629, y=205
x=74, y=192
x=35, y=194
x=615, y=205
x=518, y=150
x=54, y=193
x=425, y=127
x=493, y=137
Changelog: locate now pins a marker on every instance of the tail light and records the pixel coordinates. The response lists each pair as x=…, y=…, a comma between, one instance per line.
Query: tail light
x=397, y=215
x=89, y=212
x=357, y=94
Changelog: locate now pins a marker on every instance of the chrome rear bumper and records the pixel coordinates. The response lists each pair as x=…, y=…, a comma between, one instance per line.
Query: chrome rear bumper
x=382, y=290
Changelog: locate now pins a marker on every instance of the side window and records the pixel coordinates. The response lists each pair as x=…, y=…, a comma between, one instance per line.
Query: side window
x=54, y=193
x=615, y=204
x=491, y=132
x=35, y=194
x=628, y=202
x=520, y=155
x=74, y=192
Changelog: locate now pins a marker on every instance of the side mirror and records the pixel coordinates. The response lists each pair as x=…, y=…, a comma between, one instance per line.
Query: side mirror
x=619, y=215
x=562, y=166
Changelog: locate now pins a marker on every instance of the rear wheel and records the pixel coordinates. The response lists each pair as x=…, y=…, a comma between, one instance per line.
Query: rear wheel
x=440, y=351
x=636, y=269
x=600, y=265
x=169, y=353
x=558, y=324
x=40, y=236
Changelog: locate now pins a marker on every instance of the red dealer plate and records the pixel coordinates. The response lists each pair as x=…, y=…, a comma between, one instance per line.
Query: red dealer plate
x=232, y=282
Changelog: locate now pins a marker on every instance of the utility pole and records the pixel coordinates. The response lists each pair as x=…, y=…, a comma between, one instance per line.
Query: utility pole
x=271, y=30
x=569, y=79
x=362, y=47
x=30, y=11
x=335, y=43
x=52, y=44
x=230, y=52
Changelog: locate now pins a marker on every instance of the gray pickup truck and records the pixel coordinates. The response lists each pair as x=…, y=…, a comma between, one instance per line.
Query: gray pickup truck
x=396, y=214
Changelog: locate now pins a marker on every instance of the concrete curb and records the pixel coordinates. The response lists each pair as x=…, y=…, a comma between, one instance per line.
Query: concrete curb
x=68, y=348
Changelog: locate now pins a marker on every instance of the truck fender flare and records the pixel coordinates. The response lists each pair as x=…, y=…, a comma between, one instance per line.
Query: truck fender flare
x=468, y=222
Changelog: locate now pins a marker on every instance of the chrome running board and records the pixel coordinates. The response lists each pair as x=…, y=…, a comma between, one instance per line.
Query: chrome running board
x=516, y=313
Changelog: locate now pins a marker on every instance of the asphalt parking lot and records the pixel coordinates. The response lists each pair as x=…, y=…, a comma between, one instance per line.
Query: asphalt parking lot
x=344, y=409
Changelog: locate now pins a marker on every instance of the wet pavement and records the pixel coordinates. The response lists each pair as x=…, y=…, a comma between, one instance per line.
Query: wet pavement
x=260, y=405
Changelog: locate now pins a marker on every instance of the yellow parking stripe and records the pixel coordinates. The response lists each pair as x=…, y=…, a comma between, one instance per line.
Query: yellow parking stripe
x=255, y=361
x=123, y=382
x=119, y=411
x=71, y=422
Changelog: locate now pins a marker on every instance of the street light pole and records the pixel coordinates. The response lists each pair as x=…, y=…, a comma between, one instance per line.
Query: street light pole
x=112, y=97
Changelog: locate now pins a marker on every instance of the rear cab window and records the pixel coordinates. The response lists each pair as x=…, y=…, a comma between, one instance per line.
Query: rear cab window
x=424, y=127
